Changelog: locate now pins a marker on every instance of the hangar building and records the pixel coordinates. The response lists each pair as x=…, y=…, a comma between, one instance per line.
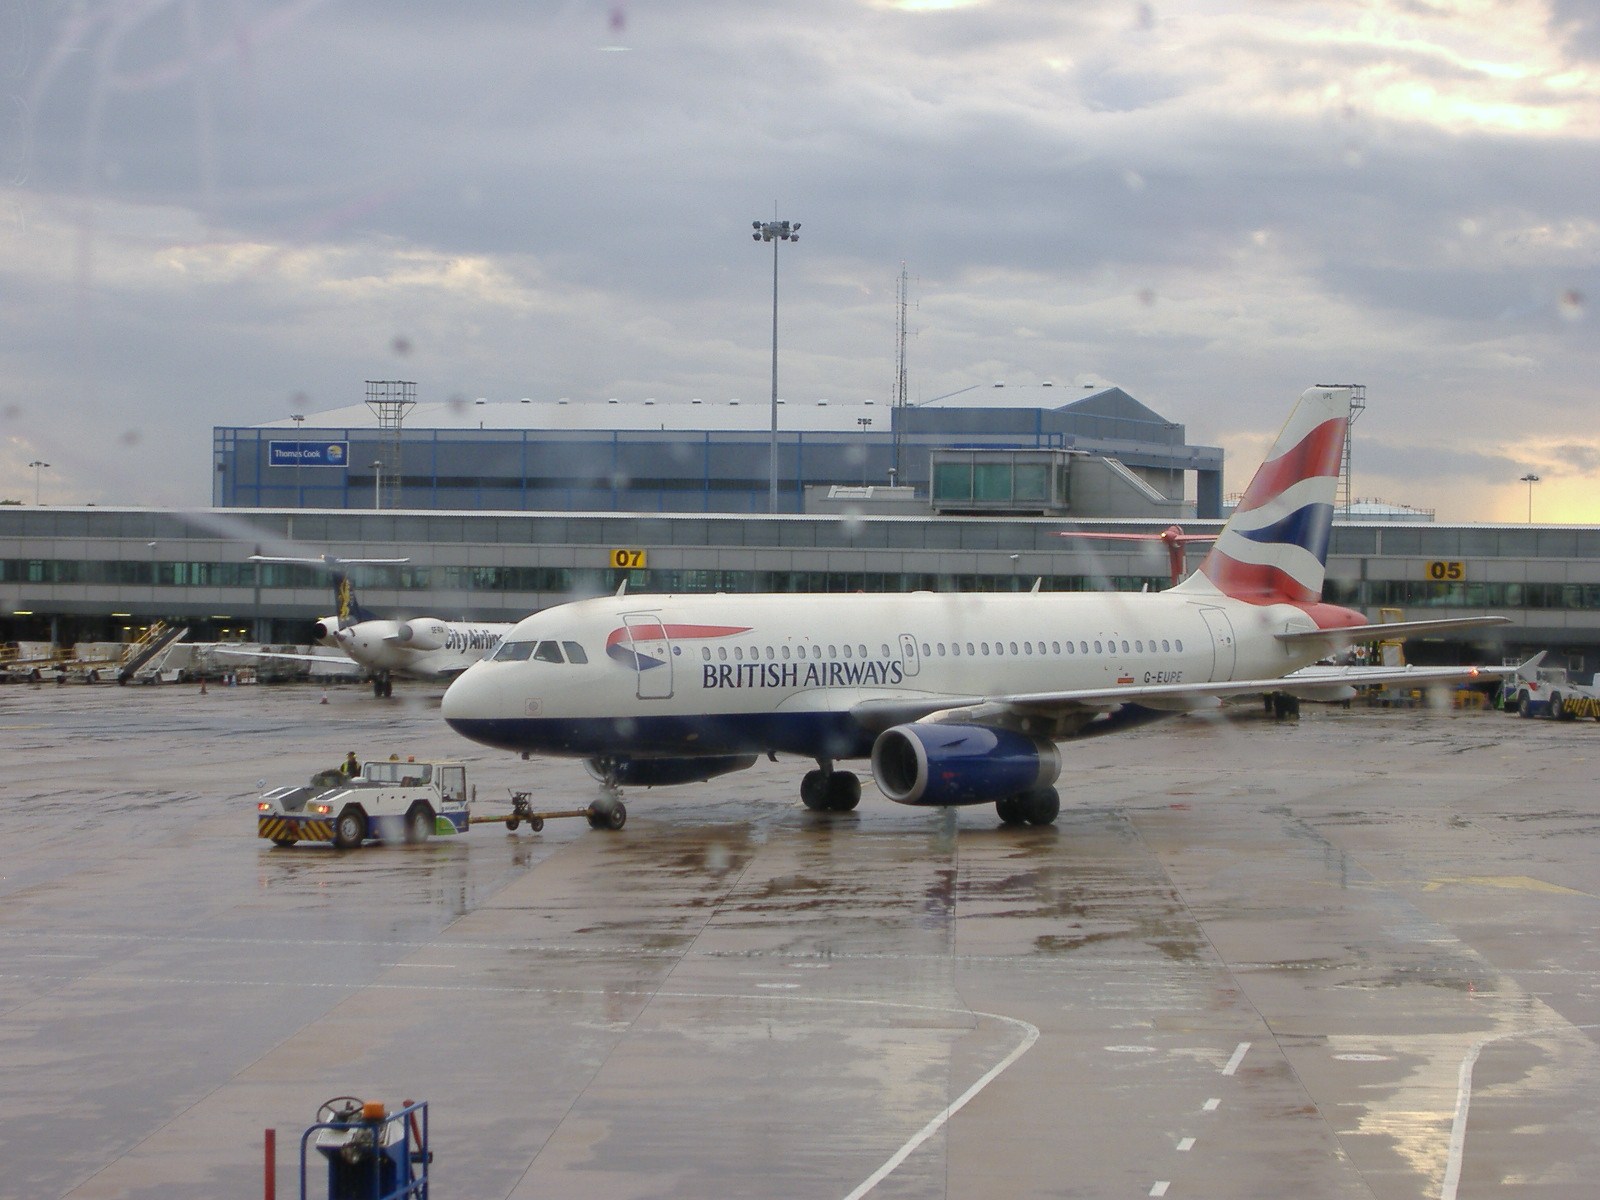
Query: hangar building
x=1033, y=448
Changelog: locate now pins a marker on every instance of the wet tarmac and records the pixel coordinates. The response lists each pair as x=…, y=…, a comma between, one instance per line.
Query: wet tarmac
x=1352, y=956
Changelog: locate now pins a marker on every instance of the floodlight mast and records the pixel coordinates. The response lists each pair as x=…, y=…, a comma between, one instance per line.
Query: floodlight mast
x=774, y=232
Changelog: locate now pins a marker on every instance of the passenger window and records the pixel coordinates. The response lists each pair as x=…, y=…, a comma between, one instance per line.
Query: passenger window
x=1097, y=645
x=1124, y=645
x=984, y=646
x=970, y=651
x=863, y=651
x=1166, y=646
x=1056, y=647
x=548, y=652
x=1139, y=647
x=784, y=651
x=940, y=646
x=955, y=649
x=832, y=653
x=847, y=649
x=1027, y=648
x=1178, y=644
x=1014, y=648
x=722, y=654
x=575, y=653
x=925, y=651
x=738, y=654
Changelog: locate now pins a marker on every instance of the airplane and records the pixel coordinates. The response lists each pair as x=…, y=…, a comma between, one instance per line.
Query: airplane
x=955, y=699
x=420, y=647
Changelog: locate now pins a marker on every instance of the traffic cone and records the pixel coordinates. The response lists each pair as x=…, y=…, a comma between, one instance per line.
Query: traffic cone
x=324, y=697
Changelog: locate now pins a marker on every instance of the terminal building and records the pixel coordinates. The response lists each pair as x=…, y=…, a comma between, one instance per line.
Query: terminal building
x=94, y=574
x=502, y=509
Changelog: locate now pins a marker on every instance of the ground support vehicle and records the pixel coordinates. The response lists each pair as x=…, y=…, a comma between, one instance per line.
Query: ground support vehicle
x=388, y=801
x=1556, y=693
x=399, y=801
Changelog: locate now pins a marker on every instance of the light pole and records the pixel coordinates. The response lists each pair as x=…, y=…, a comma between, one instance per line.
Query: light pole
x=774, y=231
x=377, y=483
x=866, y=424
x=1530, y=479
x=38, y=466
x=299, y=486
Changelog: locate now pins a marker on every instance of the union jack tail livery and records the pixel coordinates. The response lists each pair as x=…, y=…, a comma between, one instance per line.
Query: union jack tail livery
x=1274, y=549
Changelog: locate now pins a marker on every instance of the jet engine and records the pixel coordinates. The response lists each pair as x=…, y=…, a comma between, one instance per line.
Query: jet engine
x=931, y=765
x=423, y=634
x=664, y=772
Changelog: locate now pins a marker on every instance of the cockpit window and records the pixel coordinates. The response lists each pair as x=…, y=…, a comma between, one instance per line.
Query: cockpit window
x=575, y=653
x=548, y=652
x=512, y=652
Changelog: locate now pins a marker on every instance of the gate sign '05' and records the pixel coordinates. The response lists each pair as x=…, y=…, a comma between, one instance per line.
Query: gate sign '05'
x=1447, y=572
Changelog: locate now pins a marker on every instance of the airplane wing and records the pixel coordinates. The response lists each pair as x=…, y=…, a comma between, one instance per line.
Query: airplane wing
x=1309, y=682
x=336, y=659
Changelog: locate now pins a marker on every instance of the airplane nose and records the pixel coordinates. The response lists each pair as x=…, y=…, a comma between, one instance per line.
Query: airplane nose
x=464, y=698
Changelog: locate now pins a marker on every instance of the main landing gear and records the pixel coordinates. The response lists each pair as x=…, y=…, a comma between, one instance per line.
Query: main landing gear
x=1281, y=705
x=382, y=685
x=827, y=790
x=1040, y=806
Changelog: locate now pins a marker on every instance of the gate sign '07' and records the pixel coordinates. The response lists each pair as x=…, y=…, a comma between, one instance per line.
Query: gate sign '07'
x=630, y=560
x=1447, y=572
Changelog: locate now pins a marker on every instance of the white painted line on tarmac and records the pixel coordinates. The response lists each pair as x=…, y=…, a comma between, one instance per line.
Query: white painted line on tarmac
x=1458, y=1127
x=1030, y=1036
x=1238, y=1057
x=1186, y=1145
x=1211, y=1105
x=1161, y=1187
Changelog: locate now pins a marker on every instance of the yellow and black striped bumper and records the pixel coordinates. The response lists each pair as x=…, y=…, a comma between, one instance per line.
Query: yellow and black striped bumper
x=294, y=829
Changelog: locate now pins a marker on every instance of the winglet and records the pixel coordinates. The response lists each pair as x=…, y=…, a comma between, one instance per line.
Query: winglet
x=1525, y=671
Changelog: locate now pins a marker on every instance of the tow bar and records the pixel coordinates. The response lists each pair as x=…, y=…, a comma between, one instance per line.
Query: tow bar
x=607, y=812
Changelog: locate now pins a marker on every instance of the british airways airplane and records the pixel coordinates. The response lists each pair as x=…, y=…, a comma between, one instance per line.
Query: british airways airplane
x=956, y=699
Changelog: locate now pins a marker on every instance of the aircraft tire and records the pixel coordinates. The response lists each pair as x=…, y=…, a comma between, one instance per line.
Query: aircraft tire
x=1009, y=810
x=814, y=790
x=843, y=791
x=1041, y=806
x=607, y=813
x=419, y=824
x=350, y=830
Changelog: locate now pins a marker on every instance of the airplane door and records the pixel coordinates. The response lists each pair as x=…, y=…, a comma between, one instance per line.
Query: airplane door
x=909, y=659
x=652, y=654
x=1223, y=650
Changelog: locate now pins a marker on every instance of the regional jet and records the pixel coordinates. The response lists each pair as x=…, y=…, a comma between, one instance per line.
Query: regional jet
x=419, y=647
x=955, y=699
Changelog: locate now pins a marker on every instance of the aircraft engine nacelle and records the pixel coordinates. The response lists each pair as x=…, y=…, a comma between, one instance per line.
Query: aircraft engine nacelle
x=664, y=772
x=326, y=628
x=932, y=765
x=423, y=634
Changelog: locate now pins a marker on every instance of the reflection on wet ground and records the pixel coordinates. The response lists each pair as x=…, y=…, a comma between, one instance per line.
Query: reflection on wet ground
x=1348, y=956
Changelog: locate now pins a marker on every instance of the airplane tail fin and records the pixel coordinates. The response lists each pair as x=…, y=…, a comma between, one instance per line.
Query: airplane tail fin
x=348, y=608
x=1274, y=549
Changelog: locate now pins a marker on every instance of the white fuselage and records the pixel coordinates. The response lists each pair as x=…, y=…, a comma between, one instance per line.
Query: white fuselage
x=727, y=674
x=426, y=647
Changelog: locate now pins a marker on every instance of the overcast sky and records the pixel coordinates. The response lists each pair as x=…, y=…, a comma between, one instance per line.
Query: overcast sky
x=220, y=213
